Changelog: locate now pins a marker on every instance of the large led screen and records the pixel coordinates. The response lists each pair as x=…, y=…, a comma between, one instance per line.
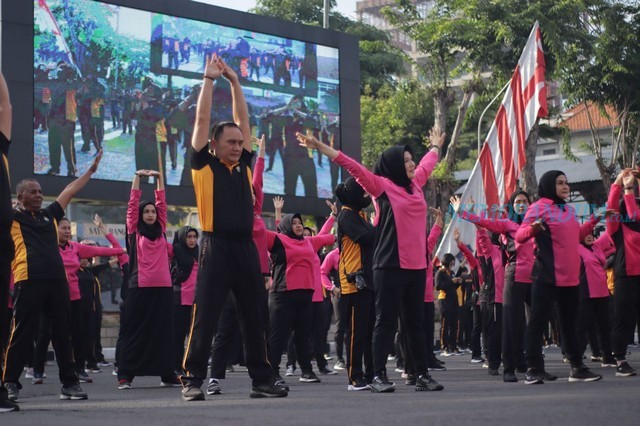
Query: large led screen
x=126, y=81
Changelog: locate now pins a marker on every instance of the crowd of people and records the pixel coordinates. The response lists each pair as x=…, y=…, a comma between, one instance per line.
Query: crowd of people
x=533, y=262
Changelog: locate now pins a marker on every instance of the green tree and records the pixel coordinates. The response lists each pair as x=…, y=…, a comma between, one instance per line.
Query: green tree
x=605, y=72
x=397, y=115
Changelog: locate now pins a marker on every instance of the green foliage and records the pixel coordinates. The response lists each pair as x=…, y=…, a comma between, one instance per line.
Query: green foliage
x=396, y=116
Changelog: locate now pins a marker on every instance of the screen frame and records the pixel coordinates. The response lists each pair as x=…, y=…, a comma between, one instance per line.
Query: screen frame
x=16, y=30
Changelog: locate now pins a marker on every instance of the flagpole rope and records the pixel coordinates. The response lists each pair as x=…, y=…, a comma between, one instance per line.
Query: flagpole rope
x=484, y=112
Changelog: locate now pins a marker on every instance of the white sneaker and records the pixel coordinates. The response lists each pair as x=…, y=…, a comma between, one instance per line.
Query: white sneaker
x=29, y=373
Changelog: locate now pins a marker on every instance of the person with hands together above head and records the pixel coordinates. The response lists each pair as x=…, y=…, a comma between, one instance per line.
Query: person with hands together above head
x=624, y=229
x=555, y=274
x=399, y=259
x=147, y=347
x=41, y=283
x=229, y=258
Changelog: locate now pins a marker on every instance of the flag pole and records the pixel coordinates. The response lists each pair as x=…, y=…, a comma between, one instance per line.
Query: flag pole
x=495, y=98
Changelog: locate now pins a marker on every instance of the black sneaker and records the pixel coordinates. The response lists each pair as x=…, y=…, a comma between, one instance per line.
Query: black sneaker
x=608, y=361
x=583, y=374
x=213, y=388
x=83, y=377
x=436, y=366
x=327, y=371
x=13, y=391
x=426, y=383
x=548, y=377
x=410, y=380
x=279, y=381
x=533, y=377
x=309, y=377
x=596, y=358
x=124, y=384
x=358, y=385
x=494, y=372
x=622, y=370
x=192, y=393
x=170, y=382
x=7, y=406
x=73, y=392
x=268, y=391
x=381, y=385
x=509, y=378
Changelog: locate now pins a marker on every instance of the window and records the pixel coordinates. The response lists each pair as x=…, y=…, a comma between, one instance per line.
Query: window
x=548, y=151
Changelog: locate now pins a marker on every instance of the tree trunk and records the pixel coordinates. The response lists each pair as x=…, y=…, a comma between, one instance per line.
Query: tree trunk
x=528, y=177
x=450, y=157
x=442, y=101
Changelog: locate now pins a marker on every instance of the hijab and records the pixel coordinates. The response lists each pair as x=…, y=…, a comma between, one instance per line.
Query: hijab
x=151, y=232
x=286, y=226
x=352, y=195
x=547, y=187
x=184, y=256
x=624, y=217
x=515, y=216
x=391, y=165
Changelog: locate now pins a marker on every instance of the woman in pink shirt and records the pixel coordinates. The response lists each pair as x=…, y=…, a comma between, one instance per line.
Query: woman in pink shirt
x=184, y=270
x=147, y=338
x=555, y=274
x=399, y=258
x=594, y=296
x=625, y=232
x=71, y=253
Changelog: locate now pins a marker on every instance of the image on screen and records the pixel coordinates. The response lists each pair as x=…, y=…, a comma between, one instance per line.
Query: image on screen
x=126, y=81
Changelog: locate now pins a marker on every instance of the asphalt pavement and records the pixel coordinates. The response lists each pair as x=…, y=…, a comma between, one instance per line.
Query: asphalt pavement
x=470, y=396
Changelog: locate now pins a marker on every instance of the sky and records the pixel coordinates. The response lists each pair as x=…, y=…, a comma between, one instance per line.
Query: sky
x=346, y=7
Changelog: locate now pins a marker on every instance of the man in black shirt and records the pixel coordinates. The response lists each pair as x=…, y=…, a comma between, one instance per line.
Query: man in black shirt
x=41, y=283
x=229, y=258
x=6, y=255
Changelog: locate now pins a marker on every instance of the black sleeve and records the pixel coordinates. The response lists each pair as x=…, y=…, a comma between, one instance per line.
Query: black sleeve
x=200, y=159
x=355, y=228
x=55, y=211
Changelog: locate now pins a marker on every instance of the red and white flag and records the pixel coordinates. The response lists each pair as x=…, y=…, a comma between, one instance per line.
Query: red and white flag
x=495, y=175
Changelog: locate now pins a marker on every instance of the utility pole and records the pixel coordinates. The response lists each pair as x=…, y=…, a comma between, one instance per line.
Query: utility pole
x=327, y=6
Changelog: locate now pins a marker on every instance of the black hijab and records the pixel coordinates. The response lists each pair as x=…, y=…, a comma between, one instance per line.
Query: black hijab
x=286, y=226
x=547, y=187
x=513, y=214
x=391, y=165
x=150, y=232
x=184, y=255
x=352, y=195
x=625, y=220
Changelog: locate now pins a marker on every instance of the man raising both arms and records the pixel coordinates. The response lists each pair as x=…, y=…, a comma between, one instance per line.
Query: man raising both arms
x=229, y=259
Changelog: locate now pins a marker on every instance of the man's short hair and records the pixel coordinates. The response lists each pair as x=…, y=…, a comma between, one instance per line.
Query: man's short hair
x=20, y=186
x=217, y=130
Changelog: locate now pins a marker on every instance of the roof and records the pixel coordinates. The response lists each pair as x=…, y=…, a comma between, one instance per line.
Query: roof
x=576, y=119
x=584, y=170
